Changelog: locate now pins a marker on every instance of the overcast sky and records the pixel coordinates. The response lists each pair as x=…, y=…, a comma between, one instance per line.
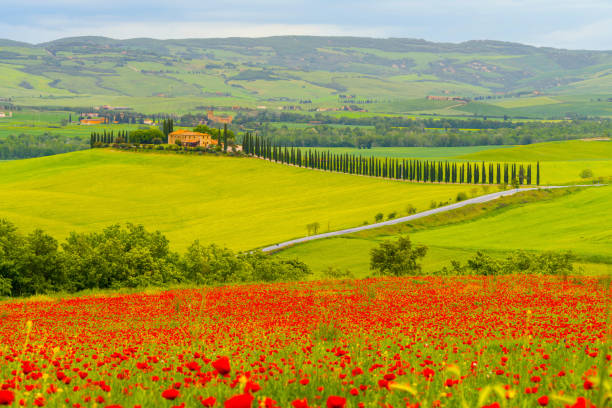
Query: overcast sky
x=574, y=24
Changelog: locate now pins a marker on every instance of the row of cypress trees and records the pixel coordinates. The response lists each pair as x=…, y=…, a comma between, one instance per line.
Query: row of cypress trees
x=428, y=171
x=105, y=137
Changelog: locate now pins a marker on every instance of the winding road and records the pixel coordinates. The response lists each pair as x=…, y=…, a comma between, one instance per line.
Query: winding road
x=475, y=200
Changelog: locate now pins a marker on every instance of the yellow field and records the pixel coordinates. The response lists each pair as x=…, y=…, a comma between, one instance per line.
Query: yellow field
x=238, y=202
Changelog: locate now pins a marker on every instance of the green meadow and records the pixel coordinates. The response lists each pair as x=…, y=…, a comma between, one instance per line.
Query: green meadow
x=562, y=222
x=32, y=122
x=241, y=203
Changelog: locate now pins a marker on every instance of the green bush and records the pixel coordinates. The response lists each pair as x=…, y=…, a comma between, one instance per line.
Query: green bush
x=397, y=258
x=517, y=263
x=462, y=196
x=126, y=256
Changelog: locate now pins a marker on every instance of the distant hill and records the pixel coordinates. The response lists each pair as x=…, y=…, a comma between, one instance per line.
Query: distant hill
x=297, y=68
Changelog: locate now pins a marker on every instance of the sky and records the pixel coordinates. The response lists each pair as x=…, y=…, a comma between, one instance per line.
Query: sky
x=572, y=24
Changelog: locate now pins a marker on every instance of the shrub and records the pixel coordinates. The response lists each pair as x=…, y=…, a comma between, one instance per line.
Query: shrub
x=378, y=217
x=462, y=196
x=411, y=209
x=336, y=273
x=518, y=262
x=397, y=258
x=392, y=215
x=126, y=256
x=586, y=173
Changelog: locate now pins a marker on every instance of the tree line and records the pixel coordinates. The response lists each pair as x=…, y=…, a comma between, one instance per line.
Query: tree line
x=125, y=256
x=25, y=146
x=401, y=258
x=427, y=171
x=402, y=132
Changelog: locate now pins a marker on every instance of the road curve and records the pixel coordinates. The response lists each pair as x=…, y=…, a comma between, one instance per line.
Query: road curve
x=475, y=200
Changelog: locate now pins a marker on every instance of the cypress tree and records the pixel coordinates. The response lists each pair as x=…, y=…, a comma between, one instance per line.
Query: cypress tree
x=521, y=174
x=498, y=173
x=529, y=174
x=513, y=172
x=469, y=174
x=483, y=174
x=225, y=137
x=538, y=174
x=476, y=174
x=506, y=173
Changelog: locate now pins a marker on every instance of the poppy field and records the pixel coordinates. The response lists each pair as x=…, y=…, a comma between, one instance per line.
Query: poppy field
x=388, y=342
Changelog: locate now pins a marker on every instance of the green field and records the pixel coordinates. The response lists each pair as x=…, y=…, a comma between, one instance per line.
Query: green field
x=32, y=122
x=238, y=202
x=576, y=222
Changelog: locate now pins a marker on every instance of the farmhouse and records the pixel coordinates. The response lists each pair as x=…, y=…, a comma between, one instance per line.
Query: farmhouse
x=190, y=138
x=219, y=119
x=6, y=115
x=93, y=121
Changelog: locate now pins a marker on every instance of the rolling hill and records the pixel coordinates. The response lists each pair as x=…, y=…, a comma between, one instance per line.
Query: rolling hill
x=568, y=223
x=179, y=75
x=242, y=203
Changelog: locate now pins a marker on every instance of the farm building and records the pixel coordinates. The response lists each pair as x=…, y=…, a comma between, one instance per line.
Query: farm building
x=190, y=138
x=93, y=121
x=219, y=119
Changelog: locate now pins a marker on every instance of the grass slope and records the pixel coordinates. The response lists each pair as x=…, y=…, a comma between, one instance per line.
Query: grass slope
x=239, y=202
x=576, y=222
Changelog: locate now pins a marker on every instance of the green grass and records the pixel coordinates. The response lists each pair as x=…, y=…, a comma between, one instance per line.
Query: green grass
x=561, y=222
x=551, y=151
x=238, y=202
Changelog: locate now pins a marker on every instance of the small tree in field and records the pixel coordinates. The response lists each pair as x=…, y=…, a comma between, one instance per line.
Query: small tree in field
x=397, y=258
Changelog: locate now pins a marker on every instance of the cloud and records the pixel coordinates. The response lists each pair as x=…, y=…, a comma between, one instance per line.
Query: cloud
x=597, y=34
x=180, y=29
x=560, y=23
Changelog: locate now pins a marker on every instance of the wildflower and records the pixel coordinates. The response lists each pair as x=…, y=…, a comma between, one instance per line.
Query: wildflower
x=336, y=402
x=240, y=401
x=6, y=397
x=222, y=365
x=170, y=394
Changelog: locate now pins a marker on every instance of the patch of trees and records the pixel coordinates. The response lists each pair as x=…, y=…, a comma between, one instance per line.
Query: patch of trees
x=139, y=136
x=401, y=258
x=427, y=171
x=25, y=146
x=395, y=132
x=518, y=262
x=127, y=256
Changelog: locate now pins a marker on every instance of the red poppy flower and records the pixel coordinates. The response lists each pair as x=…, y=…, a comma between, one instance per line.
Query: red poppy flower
x=240, y=401
x=336, y=402
x=543, y=400
x=170, y=394
x=222, y=365
x=208, y=402
x=300, y=403
x=6, y=397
